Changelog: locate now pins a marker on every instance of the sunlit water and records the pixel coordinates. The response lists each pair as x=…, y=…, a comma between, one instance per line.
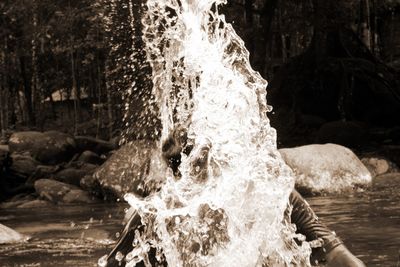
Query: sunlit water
x=368, y=222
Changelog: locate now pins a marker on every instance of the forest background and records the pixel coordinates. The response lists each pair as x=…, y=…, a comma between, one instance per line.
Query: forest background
x=70, y=65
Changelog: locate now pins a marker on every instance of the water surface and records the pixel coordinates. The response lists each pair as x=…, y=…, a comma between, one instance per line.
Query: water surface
x=368, y=222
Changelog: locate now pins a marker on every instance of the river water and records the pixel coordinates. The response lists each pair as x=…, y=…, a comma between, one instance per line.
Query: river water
x=368, y=222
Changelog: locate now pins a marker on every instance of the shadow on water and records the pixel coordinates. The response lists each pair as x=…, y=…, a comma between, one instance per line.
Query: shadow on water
x=368, y=222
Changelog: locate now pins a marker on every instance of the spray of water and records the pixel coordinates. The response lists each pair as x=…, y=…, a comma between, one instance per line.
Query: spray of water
x=227, y=206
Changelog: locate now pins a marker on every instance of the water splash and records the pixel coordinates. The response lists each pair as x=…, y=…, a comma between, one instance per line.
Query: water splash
x=227, y=206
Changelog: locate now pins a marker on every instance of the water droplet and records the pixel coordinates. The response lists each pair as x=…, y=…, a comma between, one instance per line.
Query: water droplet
x=119, y=256
x=102, y=262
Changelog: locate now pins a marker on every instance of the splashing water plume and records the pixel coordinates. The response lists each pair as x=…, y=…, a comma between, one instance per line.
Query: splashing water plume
x=227, y=207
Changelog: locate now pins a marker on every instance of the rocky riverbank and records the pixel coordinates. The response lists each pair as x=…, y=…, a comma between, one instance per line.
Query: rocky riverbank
x=48, y=168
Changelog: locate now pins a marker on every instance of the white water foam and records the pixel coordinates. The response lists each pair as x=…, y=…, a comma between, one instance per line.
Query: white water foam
x=227, y=207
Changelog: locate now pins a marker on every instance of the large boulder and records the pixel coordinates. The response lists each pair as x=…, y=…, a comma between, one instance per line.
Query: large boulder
x=49, y=147
x=325, y=168
x=58, y=192
x=127, y=170
x=23, y=165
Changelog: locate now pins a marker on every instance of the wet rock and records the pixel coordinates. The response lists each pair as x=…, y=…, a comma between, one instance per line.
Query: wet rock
x=16, y=201
x=58, y=192
x=4, y=148
x=345, y=133
x=51, y=190
x=377, y=166
x=325, y=168
x=45, y=171
x=23, y=165
x=49, y=147
x=98, y=146
x=91, y=157
x=37, y=203
x=8, y=235
x=70, y=176
x=79, y=196
x=127, y=170
x=92, y=185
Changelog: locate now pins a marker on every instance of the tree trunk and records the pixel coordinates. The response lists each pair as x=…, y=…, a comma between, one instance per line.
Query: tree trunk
x=2, y=115
x=98, y=96
x=74, y=90
x=365, y=23
x=35, y=76
x=3, y=86
x=27, y=91
x=267, y=18
x=109, y=104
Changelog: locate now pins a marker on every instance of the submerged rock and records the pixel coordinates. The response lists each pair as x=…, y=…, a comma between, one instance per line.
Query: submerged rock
x=325, y=168
x=58, y=192
x=49, y=147
x=126, y=171
x=8, y=235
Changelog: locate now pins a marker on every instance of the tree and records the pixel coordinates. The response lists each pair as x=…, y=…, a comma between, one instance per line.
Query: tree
x=337, y=77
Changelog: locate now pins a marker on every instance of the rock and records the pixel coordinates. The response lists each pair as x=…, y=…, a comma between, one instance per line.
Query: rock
x=127, y=170
x=37, y=203
x=51, y=190
x=91, y=157
x=8, y=235
x=70, y=176
x=4, y=148
x=58, y=192
x=98, y=146
x=376, y=166
x=325, y=168
x=79, y=196
x=49, y=147
x=16, y=201
x=45, y=171
x=345, y=133
x=23, y=165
